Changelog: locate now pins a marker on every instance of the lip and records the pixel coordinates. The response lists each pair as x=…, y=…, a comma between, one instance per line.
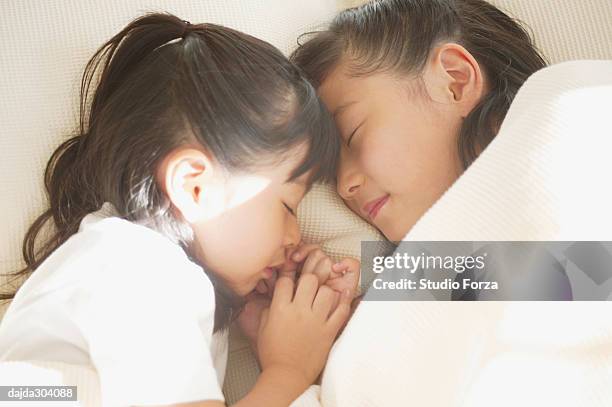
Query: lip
x=268, y=272
x=373, y=207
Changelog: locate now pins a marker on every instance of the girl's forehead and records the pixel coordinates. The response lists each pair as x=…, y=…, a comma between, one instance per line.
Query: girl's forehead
x=342, y=90
x=338, y=88
x=282, y=165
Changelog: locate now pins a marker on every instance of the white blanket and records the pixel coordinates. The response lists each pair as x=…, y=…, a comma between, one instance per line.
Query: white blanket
x=546, y=176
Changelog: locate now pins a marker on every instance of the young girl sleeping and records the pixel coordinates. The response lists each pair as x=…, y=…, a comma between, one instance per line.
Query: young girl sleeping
x=174, y=201
x=418, y=89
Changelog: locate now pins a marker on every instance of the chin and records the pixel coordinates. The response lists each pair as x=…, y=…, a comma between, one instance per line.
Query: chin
x=395, y=232
x=244, y=291
x=241, y=290
x=393, y=237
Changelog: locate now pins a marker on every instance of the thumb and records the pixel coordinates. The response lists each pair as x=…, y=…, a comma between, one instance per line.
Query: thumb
x=288, y=269
x=347, y=265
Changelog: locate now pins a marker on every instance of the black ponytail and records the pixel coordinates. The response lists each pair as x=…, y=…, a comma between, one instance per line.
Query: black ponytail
x=68, y=177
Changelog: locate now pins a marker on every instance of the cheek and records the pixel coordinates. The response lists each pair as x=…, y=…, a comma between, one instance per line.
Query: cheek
x=439, y=153
x=239, y=244
x=384, y=157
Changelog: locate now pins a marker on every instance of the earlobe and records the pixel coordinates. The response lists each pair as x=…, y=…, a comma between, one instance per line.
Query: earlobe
x=464, y=82
x=185, y=175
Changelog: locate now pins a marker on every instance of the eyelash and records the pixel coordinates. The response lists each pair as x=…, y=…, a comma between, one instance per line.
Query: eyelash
x=348, y=141
x=291, y=211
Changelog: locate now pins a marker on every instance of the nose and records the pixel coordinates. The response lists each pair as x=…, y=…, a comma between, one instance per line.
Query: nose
x=292, y=234
x=349, y=178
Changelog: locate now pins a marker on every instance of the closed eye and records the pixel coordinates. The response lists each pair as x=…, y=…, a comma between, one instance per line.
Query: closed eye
x=291, y=211
x=350, y=138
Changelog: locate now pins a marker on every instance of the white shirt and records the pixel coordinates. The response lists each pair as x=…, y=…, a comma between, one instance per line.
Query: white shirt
x=127, y=301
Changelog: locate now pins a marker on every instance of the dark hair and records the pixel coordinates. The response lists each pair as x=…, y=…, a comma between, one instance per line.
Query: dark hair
x=161, y=83
x=398, y=35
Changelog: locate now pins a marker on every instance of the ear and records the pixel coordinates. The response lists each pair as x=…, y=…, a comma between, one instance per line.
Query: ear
x=186, y=174
x=458, y=76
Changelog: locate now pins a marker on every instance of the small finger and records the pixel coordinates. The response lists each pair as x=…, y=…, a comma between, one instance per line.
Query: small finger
x=306, y=290
x=289, y=269
x=312, y=261
x=341, y=313
x=339, y=285
x=303, y=251
x=347, y=264
x=323, y=269
x=324, y=301
x=283, y=292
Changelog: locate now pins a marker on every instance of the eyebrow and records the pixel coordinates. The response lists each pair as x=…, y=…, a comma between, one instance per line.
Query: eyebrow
x=340, y=109
x=307, y=185
x=295, y=182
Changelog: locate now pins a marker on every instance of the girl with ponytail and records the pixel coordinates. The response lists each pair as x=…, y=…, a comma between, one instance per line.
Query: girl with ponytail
x=173, y=202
